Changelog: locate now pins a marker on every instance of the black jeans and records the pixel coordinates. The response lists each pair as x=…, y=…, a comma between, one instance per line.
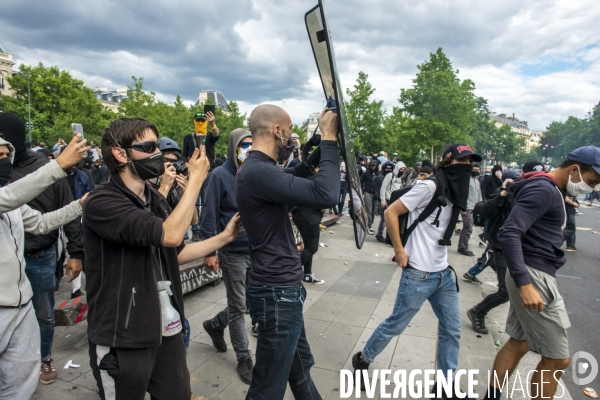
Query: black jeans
x=570, y=230
x=310, y=233
x=130, y=373
x=501, y=296
x=282, y=351
x=343, y=194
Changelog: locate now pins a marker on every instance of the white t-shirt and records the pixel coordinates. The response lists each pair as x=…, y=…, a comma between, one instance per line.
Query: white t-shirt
x=422, y=248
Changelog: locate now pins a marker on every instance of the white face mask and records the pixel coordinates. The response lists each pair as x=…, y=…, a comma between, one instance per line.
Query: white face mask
x=575, y=189
x=243, y=153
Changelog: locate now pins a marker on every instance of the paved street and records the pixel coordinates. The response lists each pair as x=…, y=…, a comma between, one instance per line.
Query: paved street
x=340, y=315
x=578, y=282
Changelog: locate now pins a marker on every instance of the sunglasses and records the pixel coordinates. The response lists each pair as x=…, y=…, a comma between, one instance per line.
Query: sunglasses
x=146, y=147
x=246, y=145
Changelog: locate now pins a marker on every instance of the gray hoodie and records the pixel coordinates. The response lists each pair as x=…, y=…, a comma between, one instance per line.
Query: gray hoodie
x=391, y=182
x=16, y=218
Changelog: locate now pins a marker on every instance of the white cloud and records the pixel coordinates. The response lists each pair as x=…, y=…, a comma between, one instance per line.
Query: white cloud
x=535, y=58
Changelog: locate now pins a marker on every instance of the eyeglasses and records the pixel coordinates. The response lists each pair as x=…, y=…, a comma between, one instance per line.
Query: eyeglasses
x=146, y=147
x=246, y=145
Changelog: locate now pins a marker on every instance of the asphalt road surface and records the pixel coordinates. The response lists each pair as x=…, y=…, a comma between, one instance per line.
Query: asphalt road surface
x=579, y=283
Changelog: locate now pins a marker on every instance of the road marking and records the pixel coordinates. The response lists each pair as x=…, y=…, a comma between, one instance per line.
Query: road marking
x=567, y=276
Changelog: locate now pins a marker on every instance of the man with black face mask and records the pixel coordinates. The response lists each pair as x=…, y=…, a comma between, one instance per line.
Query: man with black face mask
x=275, y=290
x=467, y=216
x=368, y=185
x=426, y=274
x=135, y=246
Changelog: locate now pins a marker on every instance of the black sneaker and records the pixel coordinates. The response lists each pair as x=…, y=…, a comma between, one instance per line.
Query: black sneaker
x=359, y=363
x=196, y=237
x=77, y=294
x=380, y=239
x=457, y=231
x=468, y=253
x=217, y=336
x=472, y=279
x=311, y=279
x=244, y=368
x=482, y=241
x=477, y=321
x=255, y=330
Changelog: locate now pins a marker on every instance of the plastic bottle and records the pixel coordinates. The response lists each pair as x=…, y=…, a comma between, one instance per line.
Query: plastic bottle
x=171, y=320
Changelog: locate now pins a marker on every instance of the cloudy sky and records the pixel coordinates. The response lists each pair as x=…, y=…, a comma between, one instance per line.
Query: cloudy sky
x=537, y=59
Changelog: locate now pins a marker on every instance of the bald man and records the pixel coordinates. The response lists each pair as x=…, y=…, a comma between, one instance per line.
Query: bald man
x=275, y=290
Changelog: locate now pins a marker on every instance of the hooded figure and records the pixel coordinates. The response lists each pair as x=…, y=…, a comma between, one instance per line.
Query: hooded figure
x=392, y=182
x=237, y=156
x=492, y=182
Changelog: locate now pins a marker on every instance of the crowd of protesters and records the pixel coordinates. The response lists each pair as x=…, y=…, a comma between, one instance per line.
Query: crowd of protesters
x=120, y=212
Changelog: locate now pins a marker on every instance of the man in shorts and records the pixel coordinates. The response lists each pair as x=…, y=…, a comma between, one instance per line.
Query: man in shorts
x=531, y=239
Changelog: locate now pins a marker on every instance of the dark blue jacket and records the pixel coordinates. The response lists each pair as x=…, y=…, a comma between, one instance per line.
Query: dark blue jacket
x=220, y=205
x=82, y=184
x=533, y=233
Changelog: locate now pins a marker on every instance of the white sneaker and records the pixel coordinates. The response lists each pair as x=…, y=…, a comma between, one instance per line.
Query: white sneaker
x=311, y=279
x=371, y=232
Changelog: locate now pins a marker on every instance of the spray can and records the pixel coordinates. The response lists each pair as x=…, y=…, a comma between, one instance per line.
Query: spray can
x=171, y=320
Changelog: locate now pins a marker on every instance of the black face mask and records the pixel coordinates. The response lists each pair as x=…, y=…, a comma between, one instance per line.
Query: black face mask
x=457, y=178
x=6, y=169
x=474, y=174
x=286, y=151
x=148, y=168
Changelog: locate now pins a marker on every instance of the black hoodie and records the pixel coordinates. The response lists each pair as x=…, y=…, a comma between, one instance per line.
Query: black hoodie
x=56, y=196
x=533, y=233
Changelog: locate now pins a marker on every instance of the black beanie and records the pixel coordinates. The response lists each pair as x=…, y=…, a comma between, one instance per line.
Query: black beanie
x=13, y=129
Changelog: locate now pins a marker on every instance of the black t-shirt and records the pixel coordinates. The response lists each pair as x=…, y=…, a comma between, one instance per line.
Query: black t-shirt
x=189, y=146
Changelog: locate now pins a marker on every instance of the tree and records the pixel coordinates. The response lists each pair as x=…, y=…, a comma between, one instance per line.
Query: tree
x=441, y=108
x=177, y=120
x=366, y=117
x=57, y=101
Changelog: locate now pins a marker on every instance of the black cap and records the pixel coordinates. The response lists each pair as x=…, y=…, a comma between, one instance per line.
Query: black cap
x=461, y=150
x=200, y=116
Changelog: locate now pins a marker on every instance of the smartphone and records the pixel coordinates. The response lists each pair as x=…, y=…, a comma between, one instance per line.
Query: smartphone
x=209, y=107
x=77, y=128
x=200, y=140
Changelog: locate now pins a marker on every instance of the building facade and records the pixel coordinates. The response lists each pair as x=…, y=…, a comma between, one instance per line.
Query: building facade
x=310, y=124
x=6, y=64
x=520, y=128
x=110, y=98
x=215, y=96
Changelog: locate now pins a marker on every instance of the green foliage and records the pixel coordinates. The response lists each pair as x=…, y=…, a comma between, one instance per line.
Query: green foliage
x=177, y=120
x=366, y=117
x=441, y=108
x=57, y=100
x=563, y=137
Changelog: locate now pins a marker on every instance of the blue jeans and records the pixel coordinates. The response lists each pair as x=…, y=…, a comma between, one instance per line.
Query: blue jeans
x=415, y=287
x=343, y=193
x=282, y=351
x=41, y=272
x=476, y=269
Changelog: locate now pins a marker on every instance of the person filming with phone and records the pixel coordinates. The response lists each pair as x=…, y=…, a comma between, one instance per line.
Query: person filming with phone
x=135, y=246
x=201, y=135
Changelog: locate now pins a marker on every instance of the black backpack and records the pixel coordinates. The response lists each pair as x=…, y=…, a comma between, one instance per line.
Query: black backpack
x=437, y=201
x=478, y=218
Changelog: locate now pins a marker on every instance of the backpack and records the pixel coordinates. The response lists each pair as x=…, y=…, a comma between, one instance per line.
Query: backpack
x=478, y=219
x=437, y=201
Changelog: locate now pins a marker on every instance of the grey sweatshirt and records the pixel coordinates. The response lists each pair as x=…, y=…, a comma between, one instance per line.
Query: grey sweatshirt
x=16, y=218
